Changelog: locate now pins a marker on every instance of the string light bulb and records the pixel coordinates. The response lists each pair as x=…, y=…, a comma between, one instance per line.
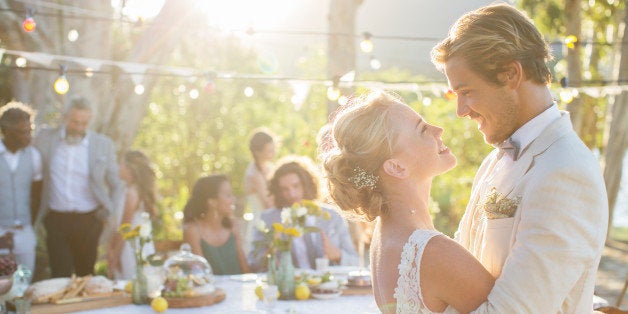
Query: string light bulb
x=249, y=91
x=29, y=24
x=366, y=45
x=139, y=89
x=61, y=85
x=566, y=95
x=375, y=63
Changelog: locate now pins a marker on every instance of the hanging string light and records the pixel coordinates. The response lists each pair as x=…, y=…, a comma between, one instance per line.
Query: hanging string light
x=249, y=91
x=73, y=35
x=139, y=89
x=29, y=24
x=375, y=63
x=366, y=45
x=61, y=85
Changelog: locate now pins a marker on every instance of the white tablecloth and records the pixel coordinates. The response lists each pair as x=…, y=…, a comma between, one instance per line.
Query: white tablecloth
x=241, y=299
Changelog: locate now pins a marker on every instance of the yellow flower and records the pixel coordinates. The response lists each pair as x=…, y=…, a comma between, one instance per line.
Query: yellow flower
x=293, y=232
x=124, y=227
x=278, y=227
x=131, y=234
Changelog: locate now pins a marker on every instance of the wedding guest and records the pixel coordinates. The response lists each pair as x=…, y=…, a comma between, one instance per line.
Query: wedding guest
x=20, y=181
x=81, y=190
x=137, y=173
x=545, y=241
x=262, y=147
x=381, y=168
x=211, y=228
x=293, y=181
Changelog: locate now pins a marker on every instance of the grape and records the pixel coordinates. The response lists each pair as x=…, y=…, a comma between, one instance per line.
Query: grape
x=7, y=266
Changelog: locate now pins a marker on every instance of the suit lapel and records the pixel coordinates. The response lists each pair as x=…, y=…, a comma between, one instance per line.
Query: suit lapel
x=552, y=133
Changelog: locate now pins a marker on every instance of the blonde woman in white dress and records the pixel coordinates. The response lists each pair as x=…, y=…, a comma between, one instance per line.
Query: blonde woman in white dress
x=381, y=168
x=139, y=204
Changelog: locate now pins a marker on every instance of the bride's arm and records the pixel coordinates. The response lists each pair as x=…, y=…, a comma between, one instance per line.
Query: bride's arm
x=451, y=275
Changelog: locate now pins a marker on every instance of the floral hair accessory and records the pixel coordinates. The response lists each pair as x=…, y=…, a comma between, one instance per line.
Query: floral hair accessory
x=361, y=179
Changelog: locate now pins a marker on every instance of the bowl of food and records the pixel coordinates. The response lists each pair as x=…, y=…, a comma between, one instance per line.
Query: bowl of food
x=189, y=280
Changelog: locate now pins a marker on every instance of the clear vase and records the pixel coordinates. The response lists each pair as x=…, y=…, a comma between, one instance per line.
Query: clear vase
x=139, y=292
x=284, y=276
x=272, y=269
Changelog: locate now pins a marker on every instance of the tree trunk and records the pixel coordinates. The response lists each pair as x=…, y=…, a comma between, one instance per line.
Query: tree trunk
x=118, y=111
x=617, y=140
x=573, y=57
x=341, y=43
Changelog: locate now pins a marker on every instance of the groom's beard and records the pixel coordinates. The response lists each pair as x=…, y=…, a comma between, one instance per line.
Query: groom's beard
x=74, y=139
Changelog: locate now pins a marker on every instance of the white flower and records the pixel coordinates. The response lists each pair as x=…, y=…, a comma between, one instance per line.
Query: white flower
x=302, y=211
x=286, y=216
x=145, y=228
x=261, y=226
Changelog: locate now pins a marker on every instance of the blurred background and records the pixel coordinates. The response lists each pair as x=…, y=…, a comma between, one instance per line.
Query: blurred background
x=187, y=80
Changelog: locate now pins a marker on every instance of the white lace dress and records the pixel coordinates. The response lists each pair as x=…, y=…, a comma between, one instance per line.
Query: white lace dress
x=408, y=292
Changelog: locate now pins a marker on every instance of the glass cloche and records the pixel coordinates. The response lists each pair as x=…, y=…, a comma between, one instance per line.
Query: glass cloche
x=187, y=275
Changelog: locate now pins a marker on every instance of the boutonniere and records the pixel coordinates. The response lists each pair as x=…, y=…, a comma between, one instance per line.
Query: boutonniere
x=496, y=206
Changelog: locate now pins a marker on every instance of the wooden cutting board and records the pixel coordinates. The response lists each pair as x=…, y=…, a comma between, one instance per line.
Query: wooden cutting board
x=357, y=290
x=202, y=300
x=82, y=304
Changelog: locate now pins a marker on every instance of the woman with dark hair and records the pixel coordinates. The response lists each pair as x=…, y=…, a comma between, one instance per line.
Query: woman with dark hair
x=136, y=171
x=211, y=228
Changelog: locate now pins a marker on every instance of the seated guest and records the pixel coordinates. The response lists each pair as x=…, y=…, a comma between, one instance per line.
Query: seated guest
x=211, y=228
x=294, y=181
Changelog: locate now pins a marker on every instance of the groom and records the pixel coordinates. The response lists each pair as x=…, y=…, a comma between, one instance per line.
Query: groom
x=537, y=218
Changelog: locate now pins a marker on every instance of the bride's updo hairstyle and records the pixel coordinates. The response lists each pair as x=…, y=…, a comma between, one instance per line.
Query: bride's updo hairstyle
x=364, y=137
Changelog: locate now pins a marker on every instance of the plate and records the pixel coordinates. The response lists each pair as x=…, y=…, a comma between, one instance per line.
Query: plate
x=244, y=277
x=326, y=296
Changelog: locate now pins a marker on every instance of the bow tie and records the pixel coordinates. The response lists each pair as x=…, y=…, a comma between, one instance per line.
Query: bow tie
x=508, y=147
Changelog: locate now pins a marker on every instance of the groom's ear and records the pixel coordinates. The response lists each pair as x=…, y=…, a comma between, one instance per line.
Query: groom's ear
x=394, y=168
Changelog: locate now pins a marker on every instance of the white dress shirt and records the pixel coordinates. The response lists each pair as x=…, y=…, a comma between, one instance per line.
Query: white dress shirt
x=14, y=158
x=69, y=171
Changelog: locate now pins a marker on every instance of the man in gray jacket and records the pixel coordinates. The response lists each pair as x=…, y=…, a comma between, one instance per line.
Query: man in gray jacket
x=81, y=190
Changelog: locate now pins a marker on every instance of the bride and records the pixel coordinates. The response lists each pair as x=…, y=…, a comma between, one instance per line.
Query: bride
x=382, y=166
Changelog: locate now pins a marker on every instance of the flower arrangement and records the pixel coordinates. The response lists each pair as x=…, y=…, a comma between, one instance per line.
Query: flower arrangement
x=294, y=223
x=138, y=237
x=496, y=206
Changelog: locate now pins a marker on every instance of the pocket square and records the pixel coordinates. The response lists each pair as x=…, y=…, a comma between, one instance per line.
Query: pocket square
x=496, y=206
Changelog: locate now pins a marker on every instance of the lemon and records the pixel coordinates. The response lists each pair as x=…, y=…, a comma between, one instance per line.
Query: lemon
x=259, y=293
x=314, y=281
x=129, y=286
x=302, y=292
x=159, y=304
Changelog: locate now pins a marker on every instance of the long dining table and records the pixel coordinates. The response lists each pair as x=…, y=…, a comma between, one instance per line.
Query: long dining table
x=241, y=298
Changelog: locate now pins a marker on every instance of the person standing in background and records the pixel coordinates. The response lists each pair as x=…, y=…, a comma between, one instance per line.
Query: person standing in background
x=139, y=203
x=263, y=149
x=82, y=190
x=20, y=180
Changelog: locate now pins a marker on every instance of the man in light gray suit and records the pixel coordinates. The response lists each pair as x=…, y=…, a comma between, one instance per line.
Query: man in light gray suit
x=81, y=190
x=537, y=218
x=293, y=181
